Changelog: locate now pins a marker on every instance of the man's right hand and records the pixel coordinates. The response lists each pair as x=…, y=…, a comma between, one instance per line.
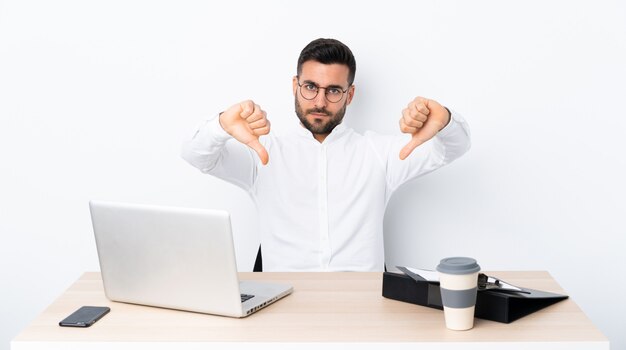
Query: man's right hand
x=246, y=121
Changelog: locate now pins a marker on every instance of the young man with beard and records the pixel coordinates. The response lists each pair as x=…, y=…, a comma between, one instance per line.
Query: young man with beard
x=321, y=192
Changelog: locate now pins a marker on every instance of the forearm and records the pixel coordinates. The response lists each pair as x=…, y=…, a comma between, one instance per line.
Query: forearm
x=204, y=149
x=451, y=142
x=213, y=151
x=454, y=139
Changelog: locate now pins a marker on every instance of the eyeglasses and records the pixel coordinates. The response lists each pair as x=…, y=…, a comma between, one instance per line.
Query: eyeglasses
x=333, y=94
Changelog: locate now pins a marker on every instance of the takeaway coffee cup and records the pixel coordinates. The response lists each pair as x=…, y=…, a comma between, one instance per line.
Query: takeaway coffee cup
x=458, y=278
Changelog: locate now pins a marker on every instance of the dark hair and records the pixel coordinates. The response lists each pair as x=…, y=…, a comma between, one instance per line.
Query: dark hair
x=328, y=51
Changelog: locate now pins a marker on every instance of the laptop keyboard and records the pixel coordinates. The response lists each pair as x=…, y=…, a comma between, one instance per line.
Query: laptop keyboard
x=245, y=297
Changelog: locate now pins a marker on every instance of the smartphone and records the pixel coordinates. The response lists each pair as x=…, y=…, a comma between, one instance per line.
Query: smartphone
x=85, y=316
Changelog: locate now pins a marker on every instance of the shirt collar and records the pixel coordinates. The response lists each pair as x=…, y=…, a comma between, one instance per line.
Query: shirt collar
x=337, y=132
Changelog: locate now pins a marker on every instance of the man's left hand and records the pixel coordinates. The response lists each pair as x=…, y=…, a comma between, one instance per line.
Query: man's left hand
x=423, y=118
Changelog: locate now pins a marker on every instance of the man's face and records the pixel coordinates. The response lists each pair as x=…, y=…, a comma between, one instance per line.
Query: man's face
x=319, y=115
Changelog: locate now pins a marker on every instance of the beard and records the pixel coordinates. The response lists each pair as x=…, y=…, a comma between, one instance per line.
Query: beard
x=321, y=126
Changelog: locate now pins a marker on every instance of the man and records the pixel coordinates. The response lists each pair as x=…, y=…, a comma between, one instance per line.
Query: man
x=321, y=191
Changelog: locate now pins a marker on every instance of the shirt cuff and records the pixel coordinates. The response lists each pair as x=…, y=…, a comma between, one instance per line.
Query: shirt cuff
x=455, y=121
x=213, y=130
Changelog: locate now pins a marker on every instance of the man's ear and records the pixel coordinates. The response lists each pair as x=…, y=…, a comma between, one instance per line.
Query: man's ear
x=350, y=93
x=295, y=85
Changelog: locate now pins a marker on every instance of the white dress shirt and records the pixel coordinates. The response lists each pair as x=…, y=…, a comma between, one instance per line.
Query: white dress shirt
x=321, y=205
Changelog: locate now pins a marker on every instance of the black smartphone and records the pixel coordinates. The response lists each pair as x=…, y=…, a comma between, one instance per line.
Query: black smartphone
x=85, y=316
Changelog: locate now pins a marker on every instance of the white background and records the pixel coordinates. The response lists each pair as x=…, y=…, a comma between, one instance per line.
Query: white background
x=96, y=97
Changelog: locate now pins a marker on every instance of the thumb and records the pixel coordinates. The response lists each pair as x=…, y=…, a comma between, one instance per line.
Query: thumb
x=260, y=150
x=406, y=150
x=427, y=132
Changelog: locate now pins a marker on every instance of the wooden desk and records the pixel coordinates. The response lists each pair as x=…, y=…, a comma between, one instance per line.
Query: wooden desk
x=329, y=310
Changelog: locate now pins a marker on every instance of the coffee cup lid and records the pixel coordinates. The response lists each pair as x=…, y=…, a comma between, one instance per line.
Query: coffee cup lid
x=458, y=266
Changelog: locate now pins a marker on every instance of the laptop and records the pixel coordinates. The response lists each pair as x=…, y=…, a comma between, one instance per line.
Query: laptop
x=176, y=258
